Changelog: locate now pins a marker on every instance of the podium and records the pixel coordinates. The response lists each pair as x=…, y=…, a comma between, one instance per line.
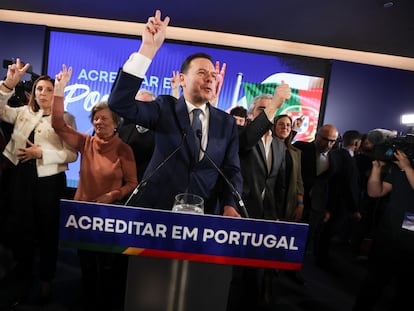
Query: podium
x=180, y=262
x=161, y=284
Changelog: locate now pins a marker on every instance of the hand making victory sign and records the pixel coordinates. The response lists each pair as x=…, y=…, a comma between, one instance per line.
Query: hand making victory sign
x=62, y=79
x=220, y=79
x=153, y=35
x=14, y=73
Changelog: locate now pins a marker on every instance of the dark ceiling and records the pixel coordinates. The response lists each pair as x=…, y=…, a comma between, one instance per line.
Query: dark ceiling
x=363, y=25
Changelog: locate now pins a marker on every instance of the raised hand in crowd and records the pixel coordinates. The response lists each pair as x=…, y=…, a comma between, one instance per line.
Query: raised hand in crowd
x=220, y=79
x=62, y=79
x=175, y=84
x=296, y=125
x=15, y=72
x=282, y=93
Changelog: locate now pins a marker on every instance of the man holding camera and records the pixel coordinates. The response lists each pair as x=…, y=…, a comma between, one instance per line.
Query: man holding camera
x=392, y=254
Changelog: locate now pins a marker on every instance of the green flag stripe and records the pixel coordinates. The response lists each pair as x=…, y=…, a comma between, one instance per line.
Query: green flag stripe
x=251, y=90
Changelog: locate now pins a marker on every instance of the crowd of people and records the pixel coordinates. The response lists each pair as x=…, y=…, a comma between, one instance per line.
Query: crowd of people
x=333, y=183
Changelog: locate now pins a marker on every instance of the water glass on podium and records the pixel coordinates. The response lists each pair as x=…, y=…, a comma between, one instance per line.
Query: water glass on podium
x=188, y=203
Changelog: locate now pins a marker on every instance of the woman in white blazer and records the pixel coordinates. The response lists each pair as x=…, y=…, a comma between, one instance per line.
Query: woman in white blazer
x=35, y=180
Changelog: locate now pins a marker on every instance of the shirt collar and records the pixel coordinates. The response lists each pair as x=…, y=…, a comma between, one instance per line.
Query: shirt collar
x=191, y=107
x=350, y=152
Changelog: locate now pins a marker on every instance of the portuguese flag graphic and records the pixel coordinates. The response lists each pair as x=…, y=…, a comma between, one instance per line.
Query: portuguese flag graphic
x=301, y=103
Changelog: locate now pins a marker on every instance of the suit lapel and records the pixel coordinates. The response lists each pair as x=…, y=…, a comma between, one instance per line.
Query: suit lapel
x=262, y=154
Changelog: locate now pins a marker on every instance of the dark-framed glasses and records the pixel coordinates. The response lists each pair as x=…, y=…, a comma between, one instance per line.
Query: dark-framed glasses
x=331, y=141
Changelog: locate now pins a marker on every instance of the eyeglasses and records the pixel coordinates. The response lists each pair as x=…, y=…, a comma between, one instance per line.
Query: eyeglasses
x=331, y=141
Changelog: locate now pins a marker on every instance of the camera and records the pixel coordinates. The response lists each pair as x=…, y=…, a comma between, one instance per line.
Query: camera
x=387, y=142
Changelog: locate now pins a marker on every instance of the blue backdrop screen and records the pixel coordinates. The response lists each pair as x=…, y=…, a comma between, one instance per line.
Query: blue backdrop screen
x=96, y=58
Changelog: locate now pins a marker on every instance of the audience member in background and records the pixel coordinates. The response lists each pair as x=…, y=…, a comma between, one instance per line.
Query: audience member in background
x=342, y=209
x=35, y=183
x=171, y=120
x=289, y=187
x=369, y=207
x=292, y=209
x=392, y=256
x=296, y=125
x=262, y=159
x=317, y=168
x=220, y=73
x=70, y=119
x=107, y=175
x=3, y=164
x=240, y=114
x=20, y=97
x=139, y=138
x=175, y=84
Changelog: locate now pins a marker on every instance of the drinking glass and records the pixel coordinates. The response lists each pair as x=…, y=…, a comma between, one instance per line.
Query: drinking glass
x=188, y=203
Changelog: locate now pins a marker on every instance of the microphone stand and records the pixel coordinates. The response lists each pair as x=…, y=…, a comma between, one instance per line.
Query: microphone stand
x=145, y=180
x=236, y=194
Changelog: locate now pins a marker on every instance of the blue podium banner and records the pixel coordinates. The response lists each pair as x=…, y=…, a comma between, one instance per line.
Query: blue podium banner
x=205, y=238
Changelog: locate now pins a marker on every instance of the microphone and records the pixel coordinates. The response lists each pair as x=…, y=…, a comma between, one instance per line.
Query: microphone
x=145, y=180
x=236, y=194
x=380, y=136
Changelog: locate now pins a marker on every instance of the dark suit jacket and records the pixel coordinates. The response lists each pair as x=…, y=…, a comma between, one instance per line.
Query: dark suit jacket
x=254, y=169
x=344, y=189
x=142, y=145
x=309, y=175
x=169, y=119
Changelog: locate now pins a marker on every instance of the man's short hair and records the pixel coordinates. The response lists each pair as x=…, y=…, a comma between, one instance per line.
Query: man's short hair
x=256, y=100
x=146, y=92
x=239, y=111
x=350, y=137
x=186, y=64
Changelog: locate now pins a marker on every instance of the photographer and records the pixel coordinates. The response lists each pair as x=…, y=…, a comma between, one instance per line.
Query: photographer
x=392, y=254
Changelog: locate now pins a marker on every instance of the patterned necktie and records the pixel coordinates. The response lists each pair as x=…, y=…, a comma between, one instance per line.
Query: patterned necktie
x=197, y=129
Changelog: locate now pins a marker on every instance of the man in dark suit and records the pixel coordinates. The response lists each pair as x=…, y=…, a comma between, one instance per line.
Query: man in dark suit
x=171, y=120
x=262, y=155
x=139, y=138
x=343, y=200
x=317, y=167
x=262, y=159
